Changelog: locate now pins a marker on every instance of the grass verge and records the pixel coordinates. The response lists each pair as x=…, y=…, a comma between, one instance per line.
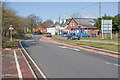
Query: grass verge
x=105, y=46
x=99, y=38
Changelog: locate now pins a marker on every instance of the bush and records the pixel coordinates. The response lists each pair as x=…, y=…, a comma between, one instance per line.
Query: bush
x=4, y=39
x=56, y=33
x=18, y=36
x=39, y=32
x=9, y=44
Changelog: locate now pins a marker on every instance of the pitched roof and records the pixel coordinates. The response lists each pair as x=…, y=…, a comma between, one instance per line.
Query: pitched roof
x=64, y=24
x=88, y=22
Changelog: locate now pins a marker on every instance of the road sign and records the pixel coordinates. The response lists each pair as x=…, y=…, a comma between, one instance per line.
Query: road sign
x=106, y=27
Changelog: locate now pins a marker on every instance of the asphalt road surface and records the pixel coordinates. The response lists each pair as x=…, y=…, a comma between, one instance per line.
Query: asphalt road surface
x=57, y=61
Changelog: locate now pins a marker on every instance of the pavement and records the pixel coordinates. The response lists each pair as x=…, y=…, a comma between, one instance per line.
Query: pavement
x=15, y=66
x=58, y=60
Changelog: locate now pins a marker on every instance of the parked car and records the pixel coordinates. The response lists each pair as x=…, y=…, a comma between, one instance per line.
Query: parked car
x=93, y=35
x=85, y=35
x=48, y=35
x=73, y=36
x=35, y=33
x=64, y=34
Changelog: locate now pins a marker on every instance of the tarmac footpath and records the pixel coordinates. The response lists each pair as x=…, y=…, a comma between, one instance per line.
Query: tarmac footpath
x=15, y=66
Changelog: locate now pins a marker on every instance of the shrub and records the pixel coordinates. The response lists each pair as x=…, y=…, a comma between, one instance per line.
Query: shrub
x=4, y=39
x=8, y=44
x=18, y=36
x=39, y=32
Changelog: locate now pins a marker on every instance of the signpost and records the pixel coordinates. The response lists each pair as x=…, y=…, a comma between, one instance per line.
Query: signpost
x=11, y=28
x=106, y=28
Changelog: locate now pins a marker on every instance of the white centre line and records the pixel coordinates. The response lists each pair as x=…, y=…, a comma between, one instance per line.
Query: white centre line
x=69, y=48
x=112, y=63
x=74, y=49
x=18, y=67
x=63, y=47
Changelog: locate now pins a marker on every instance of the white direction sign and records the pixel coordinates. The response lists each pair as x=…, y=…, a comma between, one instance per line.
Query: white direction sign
x=106, y=27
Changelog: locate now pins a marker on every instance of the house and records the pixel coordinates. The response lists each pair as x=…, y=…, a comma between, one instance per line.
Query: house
x=39, y=27
x=77, y=25
x=58, y=25
x=64, y=25
x=51, y=29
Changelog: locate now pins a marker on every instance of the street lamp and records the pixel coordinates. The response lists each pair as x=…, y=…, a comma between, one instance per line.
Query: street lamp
x=36, y=20
x=11, y=28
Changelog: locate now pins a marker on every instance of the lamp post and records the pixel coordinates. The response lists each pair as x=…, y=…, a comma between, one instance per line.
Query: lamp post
x=80, y=31
x=36, y=22
x=11, y=28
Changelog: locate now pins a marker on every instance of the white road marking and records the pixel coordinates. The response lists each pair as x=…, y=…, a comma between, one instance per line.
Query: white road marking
x=18, y=66
x=40, y=71
x=63, y=47
x=74, y=49
x=69, y=48
x=29, y=40
x=41, y=38
x=28, y=64
x=112, y=63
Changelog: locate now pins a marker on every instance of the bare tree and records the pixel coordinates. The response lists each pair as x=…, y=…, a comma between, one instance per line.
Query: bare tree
x=34, y=20
x=47, y=23
x=75, y=15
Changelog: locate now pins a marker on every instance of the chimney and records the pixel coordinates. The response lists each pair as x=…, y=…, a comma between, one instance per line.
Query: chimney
x=64, y=21
x=54, y=21
x=60, y=21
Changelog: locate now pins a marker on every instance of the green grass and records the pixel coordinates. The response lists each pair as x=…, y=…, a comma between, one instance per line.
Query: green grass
x=99, y=38
x=105, y=46
x=8, y=44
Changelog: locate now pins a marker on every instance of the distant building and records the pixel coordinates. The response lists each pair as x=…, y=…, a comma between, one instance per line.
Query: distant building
x=82, y=24
x=58, y=25
x=64, y=25
x=51, y=29
x=39, y=27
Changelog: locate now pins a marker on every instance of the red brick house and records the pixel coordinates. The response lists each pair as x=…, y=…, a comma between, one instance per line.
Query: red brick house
x=39, y=27
x=84, y=24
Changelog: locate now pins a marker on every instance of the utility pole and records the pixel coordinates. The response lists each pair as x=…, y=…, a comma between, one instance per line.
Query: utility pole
x=59, y=24
x=101, y=20
x=59, y=18
x=99, y=9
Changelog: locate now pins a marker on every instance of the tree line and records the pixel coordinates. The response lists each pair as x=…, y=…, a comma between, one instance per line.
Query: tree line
x=115, y=22
x=10, y=17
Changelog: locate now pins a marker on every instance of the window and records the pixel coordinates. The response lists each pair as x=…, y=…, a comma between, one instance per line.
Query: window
x=73, y=24
x=70, y=24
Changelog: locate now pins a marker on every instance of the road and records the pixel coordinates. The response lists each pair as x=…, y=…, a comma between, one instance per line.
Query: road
x=57, y=61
